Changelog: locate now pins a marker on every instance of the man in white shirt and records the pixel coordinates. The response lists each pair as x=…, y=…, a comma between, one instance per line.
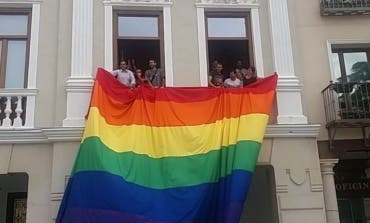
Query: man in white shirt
x=124, y=75
x=232, y=82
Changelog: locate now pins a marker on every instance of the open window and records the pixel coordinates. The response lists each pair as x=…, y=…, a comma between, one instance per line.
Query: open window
x=229, y=39
x=138, y=37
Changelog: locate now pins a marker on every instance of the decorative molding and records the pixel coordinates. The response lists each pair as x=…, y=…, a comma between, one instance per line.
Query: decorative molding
x=79, y=84
x=296, y=176
x=257, y=41
x=309, y=130
x=202, y=47
x=327, y=166
x=63, y=134
x=282, y=188
x=47, y=135
x=315, y=181
x=288, y=83
x=149, y=3
x=56, y=196
x=16, y=2
x=292, y=202
x=227, y=3
x=108, y=37
x=18, y=92
x=167, y=36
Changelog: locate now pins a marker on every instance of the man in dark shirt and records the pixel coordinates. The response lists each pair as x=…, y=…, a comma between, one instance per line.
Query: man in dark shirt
x=216, y=77
x=154, y=75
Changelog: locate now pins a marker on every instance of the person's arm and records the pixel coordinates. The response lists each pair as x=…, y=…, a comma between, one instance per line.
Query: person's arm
x=133, y=81
x=147, y=78
x=210, y=84
x=115, y=73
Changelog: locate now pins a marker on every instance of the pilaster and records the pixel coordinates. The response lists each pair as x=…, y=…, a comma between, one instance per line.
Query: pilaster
x=330, y=195
x=79, y=84
x=289, y=89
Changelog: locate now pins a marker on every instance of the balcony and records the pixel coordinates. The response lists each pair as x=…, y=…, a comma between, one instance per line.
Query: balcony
x=347, y=105
x=17, y=108
x=345, y=7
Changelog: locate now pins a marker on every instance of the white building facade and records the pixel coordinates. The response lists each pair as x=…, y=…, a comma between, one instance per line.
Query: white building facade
x=43, y=103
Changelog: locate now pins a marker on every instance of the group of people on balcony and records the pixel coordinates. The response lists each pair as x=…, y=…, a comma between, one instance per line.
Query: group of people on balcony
x=238, y=77
x=154, y=77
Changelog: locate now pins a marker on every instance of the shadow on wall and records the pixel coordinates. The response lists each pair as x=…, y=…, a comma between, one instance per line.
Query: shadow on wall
x=261, y=205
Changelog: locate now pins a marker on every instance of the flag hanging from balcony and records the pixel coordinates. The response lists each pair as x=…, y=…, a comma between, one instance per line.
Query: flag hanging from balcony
x=166, y=155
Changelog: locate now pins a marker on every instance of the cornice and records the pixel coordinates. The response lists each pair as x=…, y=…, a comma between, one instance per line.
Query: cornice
x=74, y=134
x=147, y=3
x=227, y=4
x=45, y=135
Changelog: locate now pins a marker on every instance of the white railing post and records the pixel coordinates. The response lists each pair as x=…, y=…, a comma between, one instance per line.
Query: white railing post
x=18, y=120
x=8, y=111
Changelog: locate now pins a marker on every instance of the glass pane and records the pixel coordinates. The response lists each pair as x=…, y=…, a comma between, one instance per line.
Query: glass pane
x=357, y=68
x=367, y=209
x=345, y=211
x=15, y=65
x=336, y=66
x=138, y=26
x=13, y=24
x=226, y=27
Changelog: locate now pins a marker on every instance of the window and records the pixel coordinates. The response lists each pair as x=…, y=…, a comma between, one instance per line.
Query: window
x=138, y=37
x=351, y=62
x=14, y=46
x=229, y=39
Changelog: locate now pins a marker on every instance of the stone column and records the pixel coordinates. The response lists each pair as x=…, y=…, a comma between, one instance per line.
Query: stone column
x=289, y=89
x=330, y=196
x=79, y=84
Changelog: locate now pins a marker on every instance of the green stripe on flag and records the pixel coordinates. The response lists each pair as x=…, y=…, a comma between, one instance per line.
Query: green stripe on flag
x=167, y=172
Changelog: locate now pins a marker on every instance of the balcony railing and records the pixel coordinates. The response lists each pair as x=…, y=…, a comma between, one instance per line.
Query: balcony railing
x=17, y=108
x=346, y=101
x=345, y=7
x=347, y=105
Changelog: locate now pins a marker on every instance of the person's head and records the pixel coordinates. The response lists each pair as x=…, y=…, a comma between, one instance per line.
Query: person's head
x=138, y=72
x=152, y=64
x=232, y=75
x=239, y=64
x=219, y=68
x=123, y=65
x=251, y=72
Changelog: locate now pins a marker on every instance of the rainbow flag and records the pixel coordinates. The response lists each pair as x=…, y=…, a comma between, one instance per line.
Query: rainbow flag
x=164, y=155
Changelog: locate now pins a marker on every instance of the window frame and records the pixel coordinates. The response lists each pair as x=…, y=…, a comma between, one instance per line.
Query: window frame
x=340, y=50
x=231, y=14
x=135, y=13
x=6, y=38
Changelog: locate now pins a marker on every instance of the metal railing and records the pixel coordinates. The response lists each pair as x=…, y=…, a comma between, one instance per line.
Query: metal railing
x=346, y=101
x=345, y=7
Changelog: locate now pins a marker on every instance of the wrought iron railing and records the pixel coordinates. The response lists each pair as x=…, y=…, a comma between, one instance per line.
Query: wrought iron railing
x=346, y=101
x=17, y=108
x=345, y=7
